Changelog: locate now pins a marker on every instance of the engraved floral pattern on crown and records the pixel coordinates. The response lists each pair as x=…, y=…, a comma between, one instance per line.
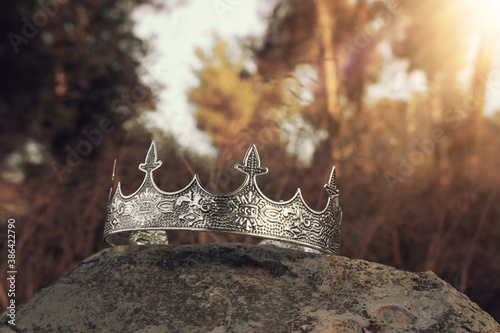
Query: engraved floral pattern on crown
x=144, y=207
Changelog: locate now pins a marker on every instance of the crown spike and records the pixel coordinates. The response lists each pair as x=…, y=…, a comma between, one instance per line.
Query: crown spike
x=150, y=163
x=331, y=186
x=112, y=180
x=251, y=163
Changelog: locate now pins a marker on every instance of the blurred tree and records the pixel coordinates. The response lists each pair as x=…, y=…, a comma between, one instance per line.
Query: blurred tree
x=70, y=85
x=85, y=58
x=226, y=96
x=338, y=39
x=236, y=107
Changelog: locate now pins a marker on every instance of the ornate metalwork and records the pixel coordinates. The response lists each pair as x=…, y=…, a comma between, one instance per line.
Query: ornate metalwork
x=143, y=217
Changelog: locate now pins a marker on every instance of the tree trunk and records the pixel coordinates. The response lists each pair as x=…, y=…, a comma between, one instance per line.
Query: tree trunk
x=328, y=74
x=436, y=108
x=327, y=56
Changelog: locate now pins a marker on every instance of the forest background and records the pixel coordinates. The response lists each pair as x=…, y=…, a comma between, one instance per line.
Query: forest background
x=418, y=175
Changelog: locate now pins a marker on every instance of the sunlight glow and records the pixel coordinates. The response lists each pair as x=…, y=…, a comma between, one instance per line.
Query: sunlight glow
x=488, y=16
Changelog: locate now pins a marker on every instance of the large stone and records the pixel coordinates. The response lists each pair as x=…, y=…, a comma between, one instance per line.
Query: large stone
x=244, y=288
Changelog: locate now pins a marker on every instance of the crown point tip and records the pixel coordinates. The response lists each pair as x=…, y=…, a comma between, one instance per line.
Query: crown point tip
x=332, y=174
x=152, y=149
x=251, y=148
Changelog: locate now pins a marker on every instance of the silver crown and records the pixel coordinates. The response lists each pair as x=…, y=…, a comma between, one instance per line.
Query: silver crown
x=144, y=216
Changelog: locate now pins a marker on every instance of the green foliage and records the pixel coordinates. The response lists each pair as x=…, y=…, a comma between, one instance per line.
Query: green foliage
x=226, y=96
x=234, y=106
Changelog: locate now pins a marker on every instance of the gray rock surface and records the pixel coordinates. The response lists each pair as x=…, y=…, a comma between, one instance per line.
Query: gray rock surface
x=244, y=288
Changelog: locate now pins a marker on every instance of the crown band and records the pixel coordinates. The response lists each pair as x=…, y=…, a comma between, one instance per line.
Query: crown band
x=144, y=216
